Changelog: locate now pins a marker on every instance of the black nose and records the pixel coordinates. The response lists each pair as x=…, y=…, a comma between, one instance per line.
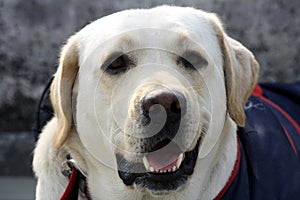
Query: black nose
x=173, y=102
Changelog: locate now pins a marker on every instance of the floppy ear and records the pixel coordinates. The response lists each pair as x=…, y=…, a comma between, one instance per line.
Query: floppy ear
x=240, y=71
x=61, y=90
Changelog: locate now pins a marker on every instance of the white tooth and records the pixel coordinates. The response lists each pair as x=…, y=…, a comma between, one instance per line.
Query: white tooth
x=165, y=171
x=174, y=168
x=179, y=160
x=161, y=171
x=146, y=163
x=169, y=170
x=151, y=169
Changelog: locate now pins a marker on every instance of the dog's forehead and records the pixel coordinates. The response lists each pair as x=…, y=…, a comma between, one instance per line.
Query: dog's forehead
x=160, y=17
x=152, y=27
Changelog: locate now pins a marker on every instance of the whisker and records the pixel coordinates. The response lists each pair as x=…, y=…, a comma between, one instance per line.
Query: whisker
x=193, y=87
x=116, y=130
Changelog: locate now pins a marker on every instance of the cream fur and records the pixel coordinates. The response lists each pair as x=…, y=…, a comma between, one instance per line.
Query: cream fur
x=88, y=126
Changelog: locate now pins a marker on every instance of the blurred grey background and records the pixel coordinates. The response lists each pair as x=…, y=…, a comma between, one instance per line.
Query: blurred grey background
x=32, y=32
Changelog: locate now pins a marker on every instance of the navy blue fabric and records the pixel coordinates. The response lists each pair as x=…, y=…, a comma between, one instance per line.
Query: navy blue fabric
x=287, y=96
x=269, y=169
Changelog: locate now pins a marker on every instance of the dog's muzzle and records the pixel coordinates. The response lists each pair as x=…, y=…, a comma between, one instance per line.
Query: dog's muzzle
x=161, y=162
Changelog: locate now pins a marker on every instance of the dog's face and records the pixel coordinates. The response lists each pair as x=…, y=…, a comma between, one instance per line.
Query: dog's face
x=149, y=92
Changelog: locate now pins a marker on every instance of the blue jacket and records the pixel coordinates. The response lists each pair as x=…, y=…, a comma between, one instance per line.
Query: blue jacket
x=269, y=165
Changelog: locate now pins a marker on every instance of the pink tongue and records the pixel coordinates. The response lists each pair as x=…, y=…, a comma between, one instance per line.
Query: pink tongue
x=165, y=157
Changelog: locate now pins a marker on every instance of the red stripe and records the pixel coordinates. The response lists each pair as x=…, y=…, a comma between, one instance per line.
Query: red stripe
x=285, y=114
x=233, y=173
x=290, y=140
x=71, y=185
x=258, y=92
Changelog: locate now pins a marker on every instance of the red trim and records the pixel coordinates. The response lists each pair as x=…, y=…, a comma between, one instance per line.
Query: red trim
x=290, y=140
x=72, y=182
x=233, y=173
x=259, y=93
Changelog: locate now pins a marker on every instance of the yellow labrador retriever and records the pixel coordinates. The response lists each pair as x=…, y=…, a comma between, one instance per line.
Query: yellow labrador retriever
x=147, y=104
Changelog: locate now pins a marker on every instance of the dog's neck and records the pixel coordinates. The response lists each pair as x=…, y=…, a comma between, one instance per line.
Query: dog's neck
x=225, y=159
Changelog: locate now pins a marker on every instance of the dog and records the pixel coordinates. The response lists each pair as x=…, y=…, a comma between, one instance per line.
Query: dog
x=147, y=105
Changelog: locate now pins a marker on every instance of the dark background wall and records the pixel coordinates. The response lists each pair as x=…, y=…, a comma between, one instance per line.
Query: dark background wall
x=32, y=32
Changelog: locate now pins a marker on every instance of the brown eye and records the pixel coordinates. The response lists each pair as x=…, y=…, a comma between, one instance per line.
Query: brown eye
x=118, y=65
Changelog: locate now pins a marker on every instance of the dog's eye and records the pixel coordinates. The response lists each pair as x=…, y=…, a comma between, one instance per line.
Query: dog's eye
x=192, y=60
x=186, y=63
x=118, y=65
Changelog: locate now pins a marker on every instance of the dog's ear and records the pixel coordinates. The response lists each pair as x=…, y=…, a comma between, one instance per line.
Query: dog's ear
x=61, y=90
x=240, y=71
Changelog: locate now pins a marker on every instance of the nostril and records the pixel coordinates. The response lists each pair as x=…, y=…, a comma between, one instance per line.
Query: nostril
x=147, y=103
x=173, y=102
x=175, y=107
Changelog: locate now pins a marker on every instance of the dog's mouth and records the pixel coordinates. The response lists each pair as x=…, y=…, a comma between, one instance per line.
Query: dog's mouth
x=166, y=167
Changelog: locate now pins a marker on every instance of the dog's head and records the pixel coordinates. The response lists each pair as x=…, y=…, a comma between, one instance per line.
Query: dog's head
x=149, y=92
